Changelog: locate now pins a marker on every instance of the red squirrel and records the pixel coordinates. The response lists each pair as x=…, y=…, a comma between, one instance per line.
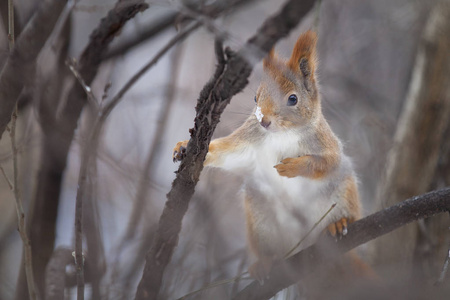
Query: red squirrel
x=291, y=163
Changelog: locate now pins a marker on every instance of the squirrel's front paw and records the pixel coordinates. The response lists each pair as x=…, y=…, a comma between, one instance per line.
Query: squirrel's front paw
x=288, y=167
x=339, y=229
x=179, y=152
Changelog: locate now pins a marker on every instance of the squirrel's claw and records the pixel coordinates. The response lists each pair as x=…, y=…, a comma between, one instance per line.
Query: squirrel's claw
x=179, y=152
x=339, y=229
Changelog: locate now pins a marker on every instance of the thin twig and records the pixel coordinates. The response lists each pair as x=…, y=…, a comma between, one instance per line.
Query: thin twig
x=19, y=206
x=177, y=38
x=155, y=27
x=143, y=189
x=11, y=24
x=444, y=268
x=21, y=213
x=309, y=232
x=89, y=152
x=11, y=187
x=216, y=284
x=71, y=63
x=100, y=39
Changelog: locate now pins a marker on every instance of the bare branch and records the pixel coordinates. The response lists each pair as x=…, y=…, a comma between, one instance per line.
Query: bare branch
x=326, y=250
x=19, y=207
x=55, y=273
x=11, y=187
x=143, y=190
x=229, y=79
x=90, y=150
x=170, y=19
x=87, y=89
x=21, y=214
x=15, y=73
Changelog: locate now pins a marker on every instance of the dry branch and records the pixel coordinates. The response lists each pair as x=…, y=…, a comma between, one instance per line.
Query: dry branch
x=170, y=19
x=325, y=251
x=90, y=61
x=40, y=226
x=27, y=255
x=230, y=77
x=59, y=133
x=16, y=73
x=143, y=194
x=90, y=150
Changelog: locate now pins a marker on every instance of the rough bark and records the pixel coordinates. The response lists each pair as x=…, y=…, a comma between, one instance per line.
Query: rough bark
x=230, y=77
x=310, y=261
x=418, y=142
x=16, y=71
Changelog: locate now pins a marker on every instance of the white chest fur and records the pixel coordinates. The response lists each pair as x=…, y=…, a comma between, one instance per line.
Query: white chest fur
x=285, y=209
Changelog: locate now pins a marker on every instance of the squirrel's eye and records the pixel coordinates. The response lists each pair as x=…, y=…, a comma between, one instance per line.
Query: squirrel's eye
x=255, y=99
x=292, y=100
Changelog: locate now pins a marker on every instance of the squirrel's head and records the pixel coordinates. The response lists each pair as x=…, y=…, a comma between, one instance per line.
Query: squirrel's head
x=288, y=94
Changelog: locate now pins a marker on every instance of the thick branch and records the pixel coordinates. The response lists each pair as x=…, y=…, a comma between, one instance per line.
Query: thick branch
x=326, y=251
x=15, y=73
x=230, y=78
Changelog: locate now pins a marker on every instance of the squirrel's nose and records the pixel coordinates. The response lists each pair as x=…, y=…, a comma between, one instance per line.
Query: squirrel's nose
x=264, y=123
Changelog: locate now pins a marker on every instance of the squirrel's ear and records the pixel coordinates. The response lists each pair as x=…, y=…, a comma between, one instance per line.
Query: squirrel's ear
x=303, y=58
x=268, y=61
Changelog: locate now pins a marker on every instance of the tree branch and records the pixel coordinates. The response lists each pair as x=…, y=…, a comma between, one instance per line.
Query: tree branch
x=229, y=79
x=90, y=150
x=55, y=273
x=325, y=251
x=15, y=73
x=170, y=19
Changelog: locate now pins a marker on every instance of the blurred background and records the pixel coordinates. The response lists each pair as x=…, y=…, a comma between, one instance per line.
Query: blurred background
x=372, y=59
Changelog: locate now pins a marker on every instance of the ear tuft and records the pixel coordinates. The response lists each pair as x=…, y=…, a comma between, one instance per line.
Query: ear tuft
x=303, y=56
x=268, y=61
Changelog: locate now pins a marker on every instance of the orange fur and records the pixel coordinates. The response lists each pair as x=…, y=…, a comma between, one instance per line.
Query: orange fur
x=217, y=147
x=179, y=145
x=305, y=48
x=352, y=198
x=314, y=166
x=320, y=153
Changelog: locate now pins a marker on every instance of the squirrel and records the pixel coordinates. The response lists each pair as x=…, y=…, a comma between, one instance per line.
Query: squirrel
x=291, y=163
